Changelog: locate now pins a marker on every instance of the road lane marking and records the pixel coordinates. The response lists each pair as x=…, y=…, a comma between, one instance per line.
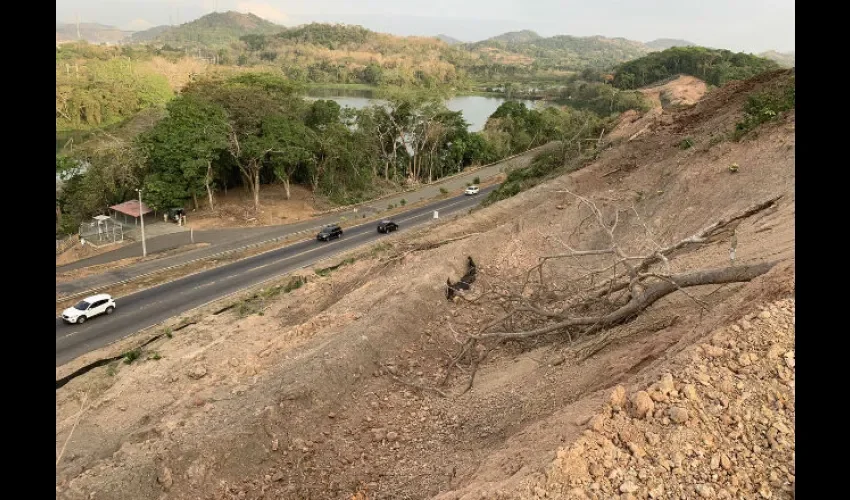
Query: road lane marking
x=278, y=261
x=461, y=199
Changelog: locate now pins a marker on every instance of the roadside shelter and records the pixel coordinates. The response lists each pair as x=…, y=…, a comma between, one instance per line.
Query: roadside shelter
x=131, y=212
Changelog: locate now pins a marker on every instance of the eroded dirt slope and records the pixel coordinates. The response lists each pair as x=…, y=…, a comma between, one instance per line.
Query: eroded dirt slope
x=329, y=393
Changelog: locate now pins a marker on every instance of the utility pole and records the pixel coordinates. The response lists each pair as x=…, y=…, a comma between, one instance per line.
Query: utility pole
x=142, y=216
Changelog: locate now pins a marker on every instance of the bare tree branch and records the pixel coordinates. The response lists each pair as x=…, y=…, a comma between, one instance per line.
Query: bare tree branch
x=649, y=297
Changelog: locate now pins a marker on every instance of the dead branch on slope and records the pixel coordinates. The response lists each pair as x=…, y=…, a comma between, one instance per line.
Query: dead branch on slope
x=607, y=286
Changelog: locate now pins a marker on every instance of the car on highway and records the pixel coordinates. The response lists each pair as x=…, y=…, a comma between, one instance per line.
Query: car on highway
x=387, y=226
x=471, y=190
x=329, y=232
x=88, y=308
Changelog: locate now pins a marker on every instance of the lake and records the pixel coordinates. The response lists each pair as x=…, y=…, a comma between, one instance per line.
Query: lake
x=475, y=108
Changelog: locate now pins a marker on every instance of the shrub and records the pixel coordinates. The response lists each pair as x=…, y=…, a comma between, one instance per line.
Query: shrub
x=767, y=105
x=520, y=179
x=131, y=356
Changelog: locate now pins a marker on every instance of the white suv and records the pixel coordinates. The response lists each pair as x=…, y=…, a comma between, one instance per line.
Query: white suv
x=89, y=307
x=471, y=190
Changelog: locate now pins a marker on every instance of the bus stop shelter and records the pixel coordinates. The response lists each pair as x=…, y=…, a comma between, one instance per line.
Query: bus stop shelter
x=131, y=212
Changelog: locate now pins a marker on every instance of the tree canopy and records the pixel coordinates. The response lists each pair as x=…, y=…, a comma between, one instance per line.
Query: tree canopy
x=714, y=66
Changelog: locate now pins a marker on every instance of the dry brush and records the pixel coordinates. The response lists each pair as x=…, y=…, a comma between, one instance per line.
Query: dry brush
x=598, y=288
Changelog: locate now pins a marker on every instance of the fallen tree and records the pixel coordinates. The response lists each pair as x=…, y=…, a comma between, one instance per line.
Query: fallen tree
x=607, y=286
x=635, y=305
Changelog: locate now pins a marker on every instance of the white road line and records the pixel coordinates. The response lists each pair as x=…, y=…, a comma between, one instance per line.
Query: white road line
x=68, y=335
x=463, y=200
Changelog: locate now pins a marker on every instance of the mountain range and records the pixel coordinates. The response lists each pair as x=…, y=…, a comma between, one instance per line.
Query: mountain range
x=221, y=28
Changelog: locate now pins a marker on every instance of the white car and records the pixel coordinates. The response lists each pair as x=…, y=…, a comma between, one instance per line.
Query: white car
x=88, y=308
x=471, y=190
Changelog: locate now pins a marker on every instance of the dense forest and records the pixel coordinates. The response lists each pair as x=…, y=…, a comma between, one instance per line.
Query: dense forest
x=714, y=66
x=601, y=98
x=325, y=53
x=527, y=55
x=254, y=129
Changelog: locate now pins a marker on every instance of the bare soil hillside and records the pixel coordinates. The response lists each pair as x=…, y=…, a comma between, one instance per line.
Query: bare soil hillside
x=679, y=92
x=684, y=90
x=335, y=390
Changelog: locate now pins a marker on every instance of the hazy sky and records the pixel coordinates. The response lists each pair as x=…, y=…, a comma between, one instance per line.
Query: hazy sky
x=740, y=25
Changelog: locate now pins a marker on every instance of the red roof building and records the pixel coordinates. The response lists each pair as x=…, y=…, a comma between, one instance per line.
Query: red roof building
x=130, y=209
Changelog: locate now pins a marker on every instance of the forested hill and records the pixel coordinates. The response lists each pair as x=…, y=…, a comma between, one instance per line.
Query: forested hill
x=215, y=30
x=714, y=66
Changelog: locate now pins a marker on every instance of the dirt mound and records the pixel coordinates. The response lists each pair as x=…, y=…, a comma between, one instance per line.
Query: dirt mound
x=335, y=389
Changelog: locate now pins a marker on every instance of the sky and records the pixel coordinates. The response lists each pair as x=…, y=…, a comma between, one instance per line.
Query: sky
x=740, y=25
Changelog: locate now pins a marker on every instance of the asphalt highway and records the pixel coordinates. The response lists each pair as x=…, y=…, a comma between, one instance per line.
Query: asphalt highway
x=149, y=307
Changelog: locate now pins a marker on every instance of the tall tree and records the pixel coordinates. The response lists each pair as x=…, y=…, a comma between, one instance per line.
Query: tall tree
x=183, y=148
x=248, y=100
x=290, y=145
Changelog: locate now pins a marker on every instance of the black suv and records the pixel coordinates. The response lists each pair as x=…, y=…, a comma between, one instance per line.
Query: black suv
x=387, y=226
x=329, y=232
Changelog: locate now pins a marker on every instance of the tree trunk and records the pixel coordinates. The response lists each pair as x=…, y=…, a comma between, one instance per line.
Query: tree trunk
x=392, y=160
x=195, y=199
x=257, y=189
x=635, y=305
x=208, y=185
x=286, y=187
x=252, y=180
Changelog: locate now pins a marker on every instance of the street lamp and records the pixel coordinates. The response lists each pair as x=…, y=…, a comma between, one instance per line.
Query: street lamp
x=142, y=216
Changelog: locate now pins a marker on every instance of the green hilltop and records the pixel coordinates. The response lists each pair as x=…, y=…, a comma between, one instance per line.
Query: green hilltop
x=210, y=31
x=714, y=66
